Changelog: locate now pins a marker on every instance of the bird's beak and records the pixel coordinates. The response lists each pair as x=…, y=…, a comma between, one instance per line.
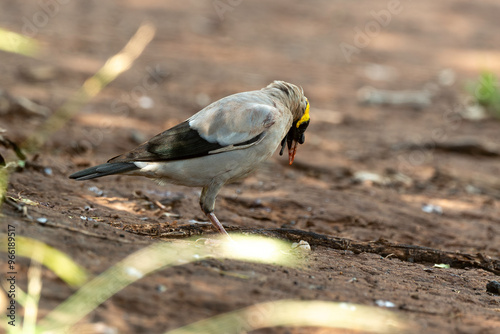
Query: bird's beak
x=294, y=137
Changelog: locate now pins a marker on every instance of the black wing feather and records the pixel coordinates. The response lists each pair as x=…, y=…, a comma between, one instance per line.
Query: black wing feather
x=177, y=143
x=180, y=142
x=103, y=170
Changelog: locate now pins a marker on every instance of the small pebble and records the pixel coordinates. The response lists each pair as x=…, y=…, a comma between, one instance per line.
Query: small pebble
x=431, y=208
x=96, y=190
x=384, y=303
x=301, y=246
x=161, y=288
x=493, y=287
x=41, y=220
x=193, y=221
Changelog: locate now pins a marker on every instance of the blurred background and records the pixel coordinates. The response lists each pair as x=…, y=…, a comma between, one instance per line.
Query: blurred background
x=204, y=50
x=405, y=107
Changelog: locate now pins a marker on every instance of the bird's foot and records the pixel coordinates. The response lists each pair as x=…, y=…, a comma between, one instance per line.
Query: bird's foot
x=216, y=223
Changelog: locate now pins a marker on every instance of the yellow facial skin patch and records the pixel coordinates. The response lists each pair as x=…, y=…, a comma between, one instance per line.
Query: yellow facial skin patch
x=305, y=117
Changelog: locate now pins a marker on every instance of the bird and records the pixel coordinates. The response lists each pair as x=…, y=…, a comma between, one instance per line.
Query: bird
x=222, y=143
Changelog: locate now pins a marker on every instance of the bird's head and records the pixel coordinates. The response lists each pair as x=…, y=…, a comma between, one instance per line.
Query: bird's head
x=296, y=134
x=298, y=104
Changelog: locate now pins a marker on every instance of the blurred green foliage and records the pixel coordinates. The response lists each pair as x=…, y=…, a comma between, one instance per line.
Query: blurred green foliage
x=487, y=93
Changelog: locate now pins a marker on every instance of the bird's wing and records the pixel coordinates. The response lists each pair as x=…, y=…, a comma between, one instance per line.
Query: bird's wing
x=218, y=128
x=236, y=118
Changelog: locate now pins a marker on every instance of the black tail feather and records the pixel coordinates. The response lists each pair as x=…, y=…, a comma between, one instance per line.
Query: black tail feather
x=103, y=170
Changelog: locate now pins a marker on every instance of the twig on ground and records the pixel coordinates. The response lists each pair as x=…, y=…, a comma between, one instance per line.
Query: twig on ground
x=410, y=253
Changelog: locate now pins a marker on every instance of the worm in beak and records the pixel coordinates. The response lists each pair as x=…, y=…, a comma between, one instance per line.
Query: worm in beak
x=294, y=137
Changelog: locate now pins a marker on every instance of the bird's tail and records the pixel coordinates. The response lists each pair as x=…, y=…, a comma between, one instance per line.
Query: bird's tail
x=103, y=170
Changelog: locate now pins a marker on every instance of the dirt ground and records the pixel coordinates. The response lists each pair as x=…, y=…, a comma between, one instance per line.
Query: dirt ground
x=366, y=173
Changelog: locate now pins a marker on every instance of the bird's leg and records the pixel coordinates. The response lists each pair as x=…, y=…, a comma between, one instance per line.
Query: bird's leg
x=207, y=203
x=216, y=223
